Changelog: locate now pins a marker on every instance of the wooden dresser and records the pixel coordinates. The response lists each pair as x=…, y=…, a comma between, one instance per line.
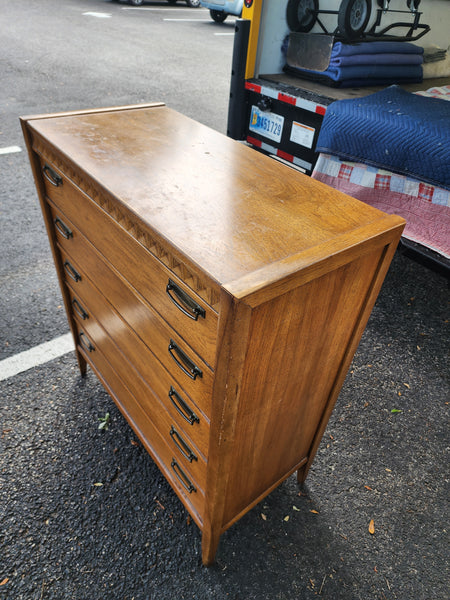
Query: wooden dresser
x=218, y=295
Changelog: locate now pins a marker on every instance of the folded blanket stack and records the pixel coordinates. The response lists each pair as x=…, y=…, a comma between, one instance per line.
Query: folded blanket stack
x=368, y=63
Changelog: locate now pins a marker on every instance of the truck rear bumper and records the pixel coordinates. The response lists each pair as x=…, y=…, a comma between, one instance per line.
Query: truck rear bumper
x=284, y=121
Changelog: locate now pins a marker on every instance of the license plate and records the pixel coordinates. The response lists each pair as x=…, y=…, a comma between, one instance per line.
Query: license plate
x=267, y=124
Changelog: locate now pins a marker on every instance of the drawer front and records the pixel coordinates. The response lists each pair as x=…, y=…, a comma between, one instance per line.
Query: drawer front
x=174, y=468
x=180, y=306
x=150, y=330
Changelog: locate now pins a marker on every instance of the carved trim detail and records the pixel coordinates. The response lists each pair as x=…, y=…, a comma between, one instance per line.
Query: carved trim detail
x=197, y=283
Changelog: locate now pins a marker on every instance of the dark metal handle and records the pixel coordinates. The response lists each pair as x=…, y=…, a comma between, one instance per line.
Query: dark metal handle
x=85, y=342
x=71, y=271
x=181, y=407
x=79, y=309
x=51, y=176
x=189, y=307
x=62, y=228
x=182, y=477
x=181, y=445
x=186, y=364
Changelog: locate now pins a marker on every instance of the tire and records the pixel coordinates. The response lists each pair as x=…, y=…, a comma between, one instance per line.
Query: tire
x=218, y=15
x=136, y=2
x=193, y=3
x=301, y=15
x=353, y=17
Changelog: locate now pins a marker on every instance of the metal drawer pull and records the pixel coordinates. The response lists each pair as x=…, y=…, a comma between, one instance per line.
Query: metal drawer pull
x=51, y=176
x=62, y=228
x=181, y=445
x=71, y=271
x=182, y=477
x=79, y=309
x=181, y=407
x=186, y=364
x=84, y=341
x=188, y=307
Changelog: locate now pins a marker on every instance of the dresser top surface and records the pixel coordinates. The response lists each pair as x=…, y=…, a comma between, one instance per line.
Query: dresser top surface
x=229, y=209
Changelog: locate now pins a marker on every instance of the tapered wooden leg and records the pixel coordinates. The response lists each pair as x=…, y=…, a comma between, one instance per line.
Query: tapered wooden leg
x=210, y=541
x=302, y=473
x=81, y=363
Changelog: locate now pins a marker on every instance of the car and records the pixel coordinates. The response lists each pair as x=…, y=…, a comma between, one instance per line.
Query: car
x=220, y=9
x=191, y=3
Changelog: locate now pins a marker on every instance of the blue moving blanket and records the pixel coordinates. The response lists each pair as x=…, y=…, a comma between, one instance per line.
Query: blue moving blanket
x=393, y=130
x=368, y=63
x=377, y=59
x=359, y=76
x=341, y=49
x=389, y=72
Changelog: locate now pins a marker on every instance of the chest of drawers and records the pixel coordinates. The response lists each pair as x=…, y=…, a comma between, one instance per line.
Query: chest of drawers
x=218, y=295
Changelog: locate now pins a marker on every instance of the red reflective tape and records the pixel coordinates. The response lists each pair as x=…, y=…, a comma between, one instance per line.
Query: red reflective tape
x=252, y=87
x=285, y=155
x=253, y=141
x=321, y=110
x=286, y=98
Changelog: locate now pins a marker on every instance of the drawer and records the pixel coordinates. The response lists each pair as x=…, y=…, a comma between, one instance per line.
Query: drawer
x=186, y=312
x=174, y=469
x=146, y=326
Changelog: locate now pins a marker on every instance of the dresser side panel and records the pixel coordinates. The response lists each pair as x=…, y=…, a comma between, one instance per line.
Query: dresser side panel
x=297, y=348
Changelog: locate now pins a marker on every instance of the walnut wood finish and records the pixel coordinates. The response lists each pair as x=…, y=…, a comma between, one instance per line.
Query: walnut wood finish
x=283, y=270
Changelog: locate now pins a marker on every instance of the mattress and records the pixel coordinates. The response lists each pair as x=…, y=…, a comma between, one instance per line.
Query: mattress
x=424, y=206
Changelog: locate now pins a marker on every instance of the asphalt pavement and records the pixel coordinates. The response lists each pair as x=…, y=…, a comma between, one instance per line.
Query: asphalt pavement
x=85, y=513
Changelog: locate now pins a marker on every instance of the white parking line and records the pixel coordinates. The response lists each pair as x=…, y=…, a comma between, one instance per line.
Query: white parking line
x=10, y=149
x=36, y=356
x=98, y=15
x=231, y=33
x=192, y=20
x=157, y=9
